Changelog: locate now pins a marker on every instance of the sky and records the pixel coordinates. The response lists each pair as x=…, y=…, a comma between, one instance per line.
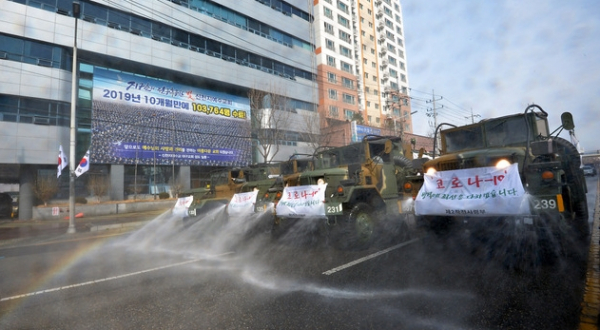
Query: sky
x=484, y=59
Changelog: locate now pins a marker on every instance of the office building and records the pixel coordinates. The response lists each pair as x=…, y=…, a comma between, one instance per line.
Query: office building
x=162, y=88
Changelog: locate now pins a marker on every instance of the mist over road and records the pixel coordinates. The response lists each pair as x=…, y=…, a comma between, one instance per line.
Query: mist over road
x=165, y=276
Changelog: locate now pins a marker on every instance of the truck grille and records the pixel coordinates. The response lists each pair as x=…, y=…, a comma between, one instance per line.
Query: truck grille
x=457, y=164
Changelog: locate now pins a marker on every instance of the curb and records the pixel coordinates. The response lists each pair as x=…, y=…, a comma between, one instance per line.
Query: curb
x=125, y=225
x=590, y=306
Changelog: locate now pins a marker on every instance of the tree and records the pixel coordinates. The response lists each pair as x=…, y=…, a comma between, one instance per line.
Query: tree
x=46, y=186
x=358, y=117
x=269, y=112
x=176, y=186
x=98, y=185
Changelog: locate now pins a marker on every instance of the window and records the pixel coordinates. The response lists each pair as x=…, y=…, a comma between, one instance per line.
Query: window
x=329, y=44
x=365, y=61
x=388, y=11
x=346, y=67
x=403, y=77
x=391, y=48
x=393, y=73
x=343, y=21
x=342, y=6
x=328, y=13
x=345, y=51
x=389, y=24
x=377, y=119
x=331, y=77
x=333, y=111
x=373, y=65
x=371, y=37
x=328, y=28
x=333, y=94
x=348, y=83
x=348, y=114
x=347, y=98
x=345, y=36
x=330, y=60
x=392, y=61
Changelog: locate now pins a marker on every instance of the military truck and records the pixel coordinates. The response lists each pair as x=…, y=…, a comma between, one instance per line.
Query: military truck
x=223, y=185
x=366, y=192
x=289, y=172
x=470, y=185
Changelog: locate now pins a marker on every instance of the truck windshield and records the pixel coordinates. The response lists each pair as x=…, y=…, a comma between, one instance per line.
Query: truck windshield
x=506, y=132
x=463, y=139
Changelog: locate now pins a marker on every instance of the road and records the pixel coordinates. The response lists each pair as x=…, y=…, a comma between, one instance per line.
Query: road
x=165, y=277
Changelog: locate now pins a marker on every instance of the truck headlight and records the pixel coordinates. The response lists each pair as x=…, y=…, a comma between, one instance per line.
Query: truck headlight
x=431, y=171
x=502, y=164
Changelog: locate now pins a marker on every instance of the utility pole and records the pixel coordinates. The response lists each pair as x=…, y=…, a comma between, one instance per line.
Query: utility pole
x=434, y=110
x=73, y=126
x=472, y=116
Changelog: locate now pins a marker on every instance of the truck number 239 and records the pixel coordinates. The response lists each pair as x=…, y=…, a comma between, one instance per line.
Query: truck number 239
x=543, y=204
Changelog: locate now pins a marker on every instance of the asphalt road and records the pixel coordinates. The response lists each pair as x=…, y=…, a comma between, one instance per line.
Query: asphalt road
x=166, y=277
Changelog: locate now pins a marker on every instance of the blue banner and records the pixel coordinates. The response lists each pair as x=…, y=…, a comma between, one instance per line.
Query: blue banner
x=142, y=120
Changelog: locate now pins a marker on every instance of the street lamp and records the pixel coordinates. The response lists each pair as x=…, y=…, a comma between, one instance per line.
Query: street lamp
x=71, y=229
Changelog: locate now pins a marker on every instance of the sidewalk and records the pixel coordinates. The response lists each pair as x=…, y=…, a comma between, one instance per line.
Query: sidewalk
x=14, y=230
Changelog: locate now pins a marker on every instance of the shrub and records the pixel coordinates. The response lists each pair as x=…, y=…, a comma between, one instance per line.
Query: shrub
x=163, y=195
x=80, y=200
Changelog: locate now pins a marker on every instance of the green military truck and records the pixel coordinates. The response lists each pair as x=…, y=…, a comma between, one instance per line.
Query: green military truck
x=502, y=177
x=290, y=171
x=223, y=185
x=365, y=193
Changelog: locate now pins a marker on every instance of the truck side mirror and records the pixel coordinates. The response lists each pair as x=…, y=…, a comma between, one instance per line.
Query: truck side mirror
x=388, y=146
x=567, y=121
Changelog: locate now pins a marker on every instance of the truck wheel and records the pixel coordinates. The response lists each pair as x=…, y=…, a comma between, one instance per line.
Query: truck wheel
x=580, y=222
x=356, y=231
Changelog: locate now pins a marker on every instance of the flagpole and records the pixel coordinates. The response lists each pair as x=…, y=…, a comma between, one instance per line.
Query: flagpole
x=71, y=229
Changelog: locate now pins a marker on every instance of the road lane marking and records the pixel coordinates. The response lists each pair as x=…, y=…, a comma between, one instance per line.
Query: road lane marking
x=111, y=278
x=371, y=256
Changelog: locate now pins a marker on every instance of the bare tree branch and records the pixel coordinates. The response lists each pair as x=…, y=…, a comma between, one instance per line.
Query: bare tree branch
x=45, y=187
x=270, y=118
x=98, y=185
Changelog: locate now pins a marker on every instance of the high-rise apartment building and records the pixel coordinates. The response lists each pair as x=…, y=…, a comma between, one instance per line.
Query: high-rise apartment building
x=162, y=87
x=361, y=64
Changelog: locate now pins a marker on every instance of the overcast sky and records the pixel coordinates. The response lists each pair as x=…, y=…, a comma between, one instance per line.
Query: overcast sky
x=496, y=57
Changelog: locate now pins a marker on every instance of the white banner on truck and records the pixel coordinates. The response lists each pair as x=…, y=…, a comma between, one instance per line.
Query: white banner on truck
x=475, y=192
x=182, y=205
x=302, y=201
x=242, y=203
